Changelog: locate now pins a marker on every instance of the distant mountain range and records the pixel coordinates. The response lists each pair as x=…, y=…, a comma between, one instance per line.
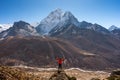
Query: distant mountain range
x=57, y=19
x=5, y=27
x=83, y=44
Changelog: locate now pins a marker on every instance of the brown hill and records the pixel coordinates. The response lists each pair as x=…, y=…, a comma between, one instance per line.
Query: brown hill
x=42, y=51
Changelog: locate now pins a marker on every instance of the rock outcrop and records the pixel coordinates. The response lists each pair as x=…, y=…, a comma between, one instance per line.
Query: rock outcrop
x=61, y=75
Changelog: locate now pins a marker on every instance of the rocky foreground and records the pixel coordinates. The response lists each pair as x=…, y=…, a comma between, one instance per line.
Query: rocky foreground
x=30, y=73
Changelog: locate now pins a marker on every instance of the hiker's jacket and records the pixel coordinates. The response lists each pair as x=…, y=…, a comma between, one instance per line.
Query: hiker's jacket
x=59, y=60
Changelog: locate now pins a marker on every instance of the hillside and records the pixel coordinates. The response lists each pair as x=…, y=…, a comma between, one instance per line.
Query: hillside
x=42, y=52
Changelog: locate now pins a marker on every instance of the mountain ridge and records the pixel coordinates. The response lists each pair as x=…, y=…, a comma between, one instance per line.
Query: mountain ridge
x=20, y=28
x=59, y=18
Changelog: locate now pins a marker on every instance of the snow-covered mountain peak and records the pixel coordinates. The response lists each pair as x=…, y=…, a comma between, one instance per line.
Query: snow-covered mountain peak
x=58, y=10
x=68, y=14
x=55, y=18
x=50, y=21
x=113, y=27
x=67, y=19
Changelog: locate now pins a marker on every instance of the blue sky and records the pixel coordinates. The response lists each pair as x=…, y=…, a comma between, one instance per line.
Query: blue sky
x=103, y=12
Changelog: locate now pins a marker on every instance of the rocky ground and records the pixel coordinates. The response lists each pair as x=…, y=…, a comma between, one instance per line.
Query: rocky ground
x=31, y=73
x=80, y=75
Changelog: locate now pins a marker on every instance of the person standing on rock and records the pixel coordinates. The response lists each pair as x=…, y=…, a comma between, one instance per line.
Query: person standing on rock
x=59, y=61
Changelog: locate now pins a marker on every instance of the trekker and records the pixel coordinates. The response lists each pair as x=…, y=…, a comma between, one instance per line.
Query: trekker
x=59, y=61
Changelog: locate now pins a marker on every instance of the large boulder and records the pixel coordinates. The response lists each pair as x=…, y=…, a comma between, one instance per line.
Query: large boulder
x=61, y=75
